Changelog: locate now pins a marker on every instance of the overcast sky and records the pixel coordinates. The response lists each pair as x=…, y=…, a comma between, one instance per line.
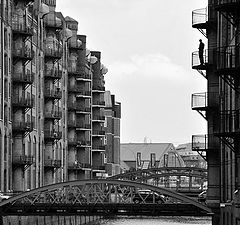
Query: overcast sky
x=146, y=46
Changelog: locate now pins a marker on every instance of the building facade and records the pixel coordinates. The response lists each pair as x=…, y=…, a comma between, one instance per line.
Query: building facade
x=219, y=23
x=52, y=106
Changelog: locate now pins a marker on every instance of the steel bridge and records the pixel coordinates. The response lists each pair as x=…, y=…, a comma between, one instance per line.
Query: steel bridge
x=186, y=180
x=102, y=197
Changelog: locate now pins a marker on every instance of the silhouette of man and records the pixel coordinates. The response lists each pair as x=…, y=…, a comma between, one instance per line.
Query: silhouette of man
x=200, y=51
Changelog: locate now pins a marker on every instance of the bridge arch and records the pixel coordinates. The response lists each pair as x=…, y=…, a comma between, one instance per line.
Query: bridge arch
x=76, y=195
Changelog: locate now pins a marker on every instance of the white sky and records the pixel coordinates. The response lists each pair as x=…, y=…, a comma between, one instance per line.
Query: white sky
x=146, y=46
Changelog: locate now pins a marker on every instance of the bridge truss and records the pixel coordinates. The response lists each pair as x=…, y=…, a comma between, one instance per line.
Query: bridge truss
x=101, y=197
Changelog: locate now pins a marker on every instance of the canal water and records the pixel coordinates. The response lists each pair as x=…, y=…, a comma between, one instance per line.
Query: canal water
x=157, y=221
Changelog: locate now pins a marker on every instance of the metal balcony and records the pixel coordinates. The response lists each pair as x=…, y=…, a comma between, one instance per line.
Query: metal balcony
x=98, y=104
x=23, y=160
x=200, y=18
x=228, y=60
x=98, y=168
x=196, y=61
x=25, y=54
x=98, y=148
x=22, y=29
x=83, y=126
x=98, y=118
x=227, y=124
x=22, y=127
x=75, y=45
x=25, y=78
x=229, y=6
x=53, y=22
x=98, y=89
x=53, y=74
x=22, y=102
x=52, y=163
x=52, y=135
x=53, y=53
x=52, y=94
x=98, y=132
x=204, y=142
x=79, y=166
x=82, y=109
x=83, y=144
x=54, y=114
x=83, y=77
x=84, y=94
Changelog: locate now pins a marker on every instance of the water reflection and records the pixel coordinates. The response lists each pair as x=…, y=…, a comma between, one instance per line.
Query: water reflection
x=158, y=221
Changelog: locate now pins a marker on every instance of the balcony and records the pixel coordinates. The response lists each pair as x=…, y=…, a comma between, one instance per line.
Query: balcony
x=75, y=45
x=25, y=54
x=25, y=78
x=83, y=126
x=196, y=61
x=100, y=148
x=228, y=60
x=83, y=77
x=53, y=22
x=79, y=166
x=99, y=168
x=84, y=94
x=53, y=74
x=227, y=124
x=98, y=119
x=54, y=114
x=200, y=18
x=22, y=160
x=200, y=101
x=53, y=53
x=52, y=163
x=98, y=89
x=204, y=142
x=98, y=104
x=22, y=127
x=22, y=102
x=53, y=93
x=98, y=133
x=52, y=135
x=229, y=6
x=82, y=109
x=83, y=144
x=72, y=123
x=21, y=29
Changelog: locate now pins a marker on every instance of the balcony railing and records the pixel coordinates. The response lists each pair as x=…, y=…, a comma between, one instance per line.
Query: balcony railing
x=52, y=93
x=98, y=132
x=98, y=103
x=22, y=126
x=54, y=114
x=98, y=147
x=48, y=134
x=22, y=29
x=27, y=78
x=98, y=88
x=99, y=118
x=81, y=125
x=200, y=18
x=78, y=165
x=200, y=100
x=82, y=109
x=196, y=60
x=22, y=102
x=204, y=142
x=227, y=123
x=55, y=53
x=227, y=5
x=98, y=167
x=51, y=21
x=52, y=163
x=24, y=53
x=85, y=76
x=83, y=94
x=23, y=160
x=52, y=73
x=75, y=44
x=228, y=59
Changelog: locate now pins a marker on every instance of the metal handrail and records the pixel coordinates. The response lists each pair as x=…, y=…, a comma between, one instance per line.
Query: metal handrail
x=199, y=16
